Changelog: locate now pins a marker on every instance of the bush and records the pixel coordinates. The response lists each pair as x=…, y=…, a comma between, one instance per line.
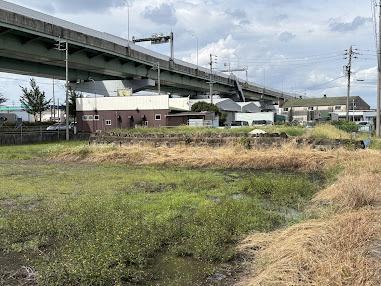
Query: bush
x=347, y=126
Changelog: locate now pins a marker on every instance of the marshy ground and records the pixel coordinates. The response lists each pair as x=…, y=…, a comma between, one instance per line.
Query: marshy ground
x=72, y=214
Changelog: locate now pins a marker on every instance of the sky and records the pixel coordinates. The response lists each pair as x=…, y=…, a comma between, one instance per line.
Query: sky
x=291, y=45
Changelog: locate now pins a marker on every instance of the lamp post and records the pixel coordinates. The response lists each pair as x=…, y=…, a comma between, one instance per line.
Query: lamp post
x=66, y=50
x=157, y=67
x=197, y=40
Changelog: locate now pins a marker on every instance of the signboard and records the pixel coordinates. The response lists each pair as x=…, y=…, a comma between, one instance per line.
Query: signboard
x=160, y=40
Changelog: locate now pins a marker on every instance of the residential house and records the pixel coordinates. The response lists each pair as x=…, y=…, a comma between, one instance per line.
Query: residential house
x=313, y=109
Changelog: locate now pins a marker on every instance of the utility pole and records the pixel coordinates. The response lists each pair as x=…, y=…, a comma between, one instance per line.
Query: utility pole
x=197, y=44
x=66, y=50
x=197, y=51
x=67, y=90
x=157, y=67
x=378, y=116
x=353, y=109
x=157, y=39
x=128, y=25
x=172, y=47
x=54, y=101
x=350, y=54
x=213, y=60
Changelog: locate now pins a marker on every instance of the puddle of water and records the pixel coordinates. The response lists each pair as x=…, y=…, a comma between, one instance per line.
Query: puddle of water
x=169, y=270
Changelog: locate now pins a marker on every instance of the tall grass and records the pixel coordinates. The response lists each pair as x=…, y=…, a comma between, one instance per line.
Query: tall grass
x=337, y=246
x=327, y=131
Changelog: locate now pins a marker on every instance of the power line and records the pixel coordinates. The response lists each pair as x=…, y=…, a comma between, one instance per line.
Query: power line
x=285, y=60
x=325, y=83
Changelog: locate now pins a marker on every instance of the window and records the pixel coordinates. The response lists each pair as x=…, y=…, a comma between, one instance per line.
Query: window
x=337, y=107
x=96, y=117
x=108, y=122
x=87, y=117
x=285, y=109
x=157, y=116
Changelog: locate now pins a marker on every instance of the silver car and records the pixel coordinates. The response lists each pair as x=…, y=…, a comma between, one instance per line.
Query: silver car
x=59, y=126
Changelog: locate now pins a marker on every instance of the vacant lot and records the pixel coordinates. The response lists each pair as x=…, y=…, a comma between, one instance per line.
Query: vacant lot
x=72, y=214
x=121, y=224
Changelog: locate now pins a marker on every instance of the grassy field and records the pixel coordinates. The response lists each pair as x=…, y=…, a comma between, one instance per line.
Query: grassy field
x=91, y=223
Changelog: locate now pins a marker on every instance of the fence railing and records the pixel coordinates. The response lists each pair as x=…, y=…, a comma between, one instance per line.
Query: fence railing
x=35, y=134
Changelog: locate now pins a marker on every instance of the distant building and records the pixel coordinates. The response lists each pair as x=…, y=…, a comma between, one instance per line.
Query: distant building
x=196, y=119
x=312, y=109
x=107, y=113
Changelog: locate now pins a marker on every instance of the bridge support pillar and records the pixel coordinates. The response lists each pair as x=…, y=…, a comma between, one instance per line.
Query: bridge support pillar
x=112, y=87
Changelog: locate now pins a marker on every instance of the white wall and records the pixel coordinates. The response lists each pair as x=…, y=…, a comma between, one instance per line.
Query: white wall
x=181, y=103
x=159, y=102
x=250, y=117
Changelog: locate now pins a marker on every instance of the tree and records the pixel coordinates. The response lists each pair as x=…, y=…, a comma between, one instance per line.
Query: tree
x=34, y=100
x=204, y=106
x=2, y=99
x=72, y=104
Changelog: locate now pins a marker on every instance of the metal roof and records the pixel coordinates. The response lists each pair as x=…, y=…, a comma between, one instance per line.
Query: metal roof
x=203, y=113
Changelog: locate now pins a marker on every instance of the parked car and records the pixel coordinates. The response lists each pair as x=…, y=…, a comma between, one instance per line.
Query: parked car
x=260, y=123
x=365, y=126
x=60, y=127
x=238, y=124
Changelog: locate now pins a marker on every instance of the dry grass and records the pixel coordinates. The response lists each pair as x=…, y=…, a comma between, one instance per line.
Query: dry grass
x=360, y=191
x=328, y=131
x=230, y=157
x=319, y=252
x=336, y=249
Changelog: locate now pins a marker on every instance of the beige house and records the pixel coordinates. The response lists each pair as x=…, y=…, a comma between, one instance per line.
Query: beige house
x=312, y=109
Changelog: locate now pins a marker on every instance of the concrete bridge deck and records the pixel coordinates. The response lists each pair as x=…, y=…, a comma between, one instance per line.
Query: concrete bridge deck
x=27, y=46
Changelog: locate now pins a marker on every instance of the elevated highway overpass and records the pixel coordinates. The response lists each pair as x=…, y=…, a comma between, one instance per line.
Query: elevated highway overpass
x=28, y=46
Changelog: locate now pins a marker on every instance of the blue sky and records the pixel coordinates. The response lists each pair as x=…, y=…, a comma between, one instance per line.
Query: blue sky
x=294, y=45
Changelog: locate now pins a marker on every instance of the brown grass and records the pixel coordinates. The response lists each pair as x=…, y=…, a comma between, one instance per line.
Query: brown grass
x=319, y=252
x=231, y=157
x=338, y=248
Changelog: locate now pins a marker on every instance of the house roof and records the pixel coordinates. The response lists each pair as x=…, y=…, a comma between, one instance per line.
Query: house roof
x=203, y=113
x=249, y=106
x=223, y=104
x=322, y=101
